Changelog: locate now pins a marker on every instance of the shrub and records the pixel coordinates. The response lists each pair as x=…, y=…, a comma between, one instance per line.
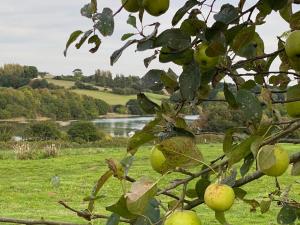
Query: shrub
x=42, y=131
x=84, y=131
x=134, y=108
x=24, y=151
x=6, y=132
x=50, y=151
x=121, y=109
x=125, y=91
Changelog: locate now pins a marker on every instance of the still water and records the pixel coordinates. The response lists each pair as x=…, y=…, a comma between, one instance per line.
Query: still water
x=123, y=127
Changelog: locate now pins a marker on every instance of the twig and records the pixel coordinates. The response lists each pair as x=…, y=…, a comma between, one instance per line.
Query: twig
x=33, y=222
x=247, y=179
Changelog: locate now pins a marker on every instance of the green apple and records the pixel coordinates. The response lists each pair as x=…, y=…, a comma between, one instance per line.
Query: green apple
x=131, y=5
x=292, y=49
x=293, y=108
x=205, y=62
x=156, y=7
x=158, y=160
x=281, y=164
x=219, y=197
x=183, y=217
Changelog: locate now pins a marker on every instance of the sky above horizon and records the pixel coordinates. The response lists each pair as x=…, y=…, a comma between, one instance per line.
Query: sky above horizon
x=34, y=32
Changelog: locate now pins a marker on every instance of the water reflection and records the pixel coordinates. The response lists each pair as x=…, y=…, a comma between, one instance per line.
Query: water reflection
x=123, y=127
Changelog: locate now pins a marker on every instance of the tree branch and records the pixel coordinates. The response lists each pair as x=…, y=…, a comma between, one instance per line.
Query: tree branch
x=33, y=222
x=245, y=180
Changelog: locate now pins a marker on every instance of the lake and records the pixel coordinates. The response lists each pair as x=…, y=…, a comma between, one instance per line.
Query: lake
x=123, y=127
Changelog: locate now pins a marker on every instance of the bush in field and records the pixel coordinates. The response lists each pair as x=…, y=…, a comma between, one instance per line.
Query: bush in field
x=42, y=131
x=6, y=132
x=24, y=151
x=121, y=109
x=134, y=108
x=84, y=131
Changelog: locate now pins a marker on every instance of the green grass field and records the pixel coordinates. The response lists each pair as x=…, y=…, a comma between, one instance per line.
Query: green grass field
x=110, y=98
x=27, y=192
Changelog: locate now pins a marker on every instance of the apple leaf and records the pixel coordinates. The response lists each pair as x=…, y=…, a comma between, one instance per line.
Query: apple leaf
x=72, y=39
x=287, y=215
x=126, y=36
x=180, y=152
x=106, y=22
x=147, y=105
x=248, y=162
x=201, y=186
x=189, y=81
x=294, y=21
x=229, y=97
x=139, y=196
x=83, y=38
x=296, y=169
x=227, y=14
x=151, y=215
x=121, y=209
x=265, y=157
x=174, y=39
x=95, y=40
x=131, y=20
x=220, y=216
x=117, y=54
x=265, y=205
x=152, y=80
x=183, y=10
x=114, y=219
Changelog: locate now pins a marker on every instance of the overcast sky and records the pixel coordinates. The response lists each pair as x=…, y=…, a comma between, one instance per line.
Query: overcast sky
x=34, y=32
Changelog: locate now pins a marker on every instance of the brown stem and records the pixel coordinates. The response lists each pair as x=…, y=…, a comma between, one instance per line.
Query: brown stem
x=33, y=222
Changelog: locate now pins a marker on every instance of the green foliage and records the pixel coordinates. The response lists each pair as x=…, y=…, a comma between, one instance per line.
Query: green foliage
x=42, y=131
x=6, y=132
x=15, y=75
x=84, y=131
x=55, y=104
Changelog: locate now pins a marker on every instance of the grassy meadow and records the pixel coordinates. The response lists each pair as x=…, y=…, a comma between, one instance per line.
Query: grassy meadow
x=27, y=191
x=109, y=97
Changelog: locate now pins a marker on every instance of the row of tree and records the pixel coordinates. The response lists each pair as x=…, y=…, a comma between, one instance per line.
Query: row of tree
x=56, y=104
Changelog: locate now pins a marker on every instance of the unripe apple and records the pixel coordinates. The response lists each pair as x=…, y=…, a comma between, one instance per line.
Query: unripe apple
x=183, y=217
x=219, y=197
x=292, y=49
x=158, y=160
x=281, y=164
x=131, y=5
x=293, y=108
x=205, y=62
x=156, y=7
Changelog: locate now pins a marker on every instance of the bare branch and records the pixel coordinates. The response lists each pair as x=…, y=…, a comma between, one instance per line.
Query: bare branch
x=33, y=222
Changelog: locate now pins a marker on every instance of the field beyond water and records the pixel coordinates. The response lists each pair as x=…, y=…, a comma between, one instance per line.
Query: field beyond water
x=28, y=189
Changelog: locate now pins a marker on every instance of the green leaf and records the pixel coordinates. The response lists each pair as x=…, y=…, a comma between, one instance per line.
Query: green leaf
x=248, y=85
x=227, y=14
x=243, y=38
x=106, y=23
x=295, y=21
x=126, y=36
x=216, y=48
x=220, y=216
x=287, y=215
x=152, y=80
x=201, y=186
x=229, y=97
x=180, y=58
x=265, y=206
x=147, y=105
x=183, y=10
x=121, y=209
x=72, y=39
x=87, y=11
x=94, y=6
x=231, y=33
x=117, y=54
x=277, y=4
x=192, y=26
x=83, y=38
x=151, y=215
x=131, y=20
x=189, y=81
x=239, y=193
x=114, y=219
x=248, y=162
x=286, y=12
x=169, y=80
x=140, y=194
x=143, y=136
x=145, y=45
x=249, y=105
x=174, y=39
x=101, y=181
x=296, y=169
x=230, y=180
x=180, y=151
x=266, y=157
x=241, y=150
x=95, y=40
